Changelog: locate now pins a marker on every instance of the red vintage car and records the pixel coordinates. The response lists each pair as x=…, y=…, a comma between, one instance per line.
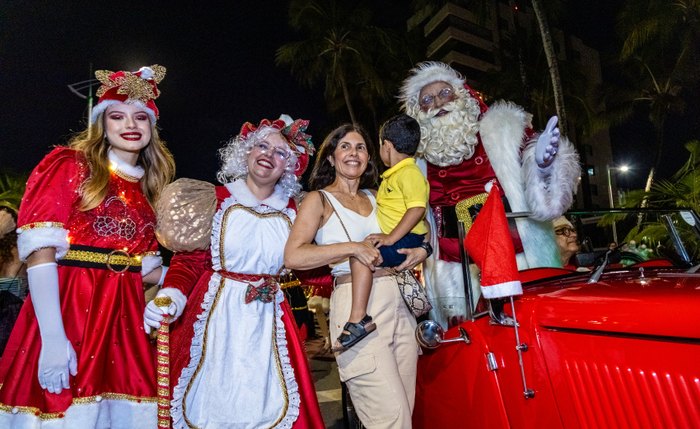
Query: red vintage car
x=614, y=346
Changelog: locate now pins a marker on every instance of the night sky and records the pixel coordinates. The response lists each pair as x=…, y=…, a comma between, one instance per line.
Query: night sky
x=221, y=72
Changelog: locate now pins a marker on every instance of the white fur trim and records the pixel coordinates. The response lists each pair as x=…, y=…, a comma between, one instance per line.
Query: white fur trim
x=502, y=289
x=31, y=240
x=131, y=170
x=107, y=413
x=424, y=74
x=502, y=133
x=239, y=190
x=150, y=263
x=104, y=104
x=551, y=194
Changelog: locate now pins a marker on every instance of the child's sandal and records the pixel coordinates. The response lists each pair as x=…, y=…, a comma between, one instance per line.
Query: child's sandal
x=354, y=333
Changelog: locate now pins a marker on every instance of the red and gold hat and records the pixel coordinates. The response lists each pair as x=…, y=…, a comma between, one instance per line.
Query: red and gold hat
x=294, y=132
x=138, y=88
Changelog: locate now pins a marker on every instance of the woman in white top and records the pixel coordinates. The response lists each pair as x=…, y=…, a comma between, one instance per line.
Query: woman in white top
x=330, y=228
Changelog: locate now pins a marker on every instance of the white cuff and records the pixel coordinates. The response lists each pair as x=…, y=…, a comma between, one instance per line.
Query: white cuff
x=150, y=263
x=163, y=272
x=33, y=239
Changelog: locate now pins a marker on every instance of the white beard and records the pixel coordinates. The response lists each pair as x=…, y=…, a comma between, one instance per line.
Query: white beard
x=449, y=139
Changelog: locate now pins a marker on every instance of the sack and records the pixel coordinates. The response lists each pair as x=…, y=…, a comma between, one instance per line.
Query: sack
x=413, y=293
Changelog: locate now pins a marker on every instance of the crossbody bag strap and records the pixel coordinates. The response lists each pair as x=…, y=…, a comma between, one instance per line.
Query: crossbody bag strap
x=323, y=193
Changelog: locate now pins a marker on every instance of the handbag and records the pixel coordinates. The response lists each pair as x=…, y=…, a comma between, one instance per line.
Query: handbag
x=412, y=291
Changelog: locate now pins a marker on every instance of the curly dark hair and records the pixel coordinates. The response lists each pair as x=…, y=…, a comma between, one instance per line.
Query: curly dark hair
x=8, y=242
x=323, y=173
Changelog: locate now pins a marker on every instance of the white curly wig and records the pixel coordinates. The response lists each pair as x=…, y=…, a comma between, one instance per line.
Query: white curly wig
x=234, y=157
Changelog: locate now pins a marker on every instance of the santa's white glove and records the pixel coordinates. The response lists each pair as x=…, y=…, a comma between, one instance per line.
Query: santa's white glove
x=547, y=144
x=153, y=315
x=57, y=357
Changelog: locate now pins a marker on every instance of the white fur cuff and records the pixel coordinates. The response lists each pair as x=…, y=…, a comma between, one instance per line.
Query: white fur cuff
x=31, y=240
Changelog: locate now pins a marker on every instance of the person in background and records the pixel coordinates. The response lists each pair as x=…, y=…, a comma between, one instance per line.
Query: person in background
x=13, y=275
x=334, y=220
x=78, y=356
x=236, y=356
x=567, y=241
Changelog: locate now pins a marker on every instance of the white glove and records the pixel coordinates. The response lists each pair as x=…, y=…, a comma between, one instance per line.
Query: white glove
x=57, y=357
x=547, y=144
x=153, y=315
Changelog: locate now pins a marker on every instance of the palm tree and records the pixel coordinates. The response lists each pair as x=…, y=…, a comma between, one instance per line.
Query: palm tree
x=553, y=63
x=12, y=189
x=660, y=46
x=484, y=8
x=682, y=190
x=343, y=49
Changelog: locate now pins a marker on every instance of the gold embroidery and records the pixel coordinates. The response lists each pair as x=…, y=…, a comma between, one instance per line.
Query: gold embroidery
x=280, y=373
x=462, y=209
x=124, y=176
x=76, y=401
x=120, y=258
x=36, y=225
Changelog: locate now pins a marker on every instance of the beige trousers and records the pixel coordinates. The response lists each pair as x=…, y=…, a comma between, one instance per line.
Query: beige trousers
x=380, y=370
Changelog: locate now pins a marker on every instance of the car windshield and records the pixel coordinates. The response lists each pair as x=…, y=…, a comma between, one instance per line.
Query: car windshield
x=669, y=237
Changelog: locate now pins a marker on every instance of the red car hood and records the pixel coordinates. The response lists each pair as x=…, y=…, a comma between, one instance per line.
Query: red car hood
x=657, y=304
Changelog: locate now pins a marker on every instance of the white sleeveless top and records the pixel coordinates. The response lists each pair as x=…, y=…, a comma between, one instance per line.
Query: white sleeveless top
x=358, y=227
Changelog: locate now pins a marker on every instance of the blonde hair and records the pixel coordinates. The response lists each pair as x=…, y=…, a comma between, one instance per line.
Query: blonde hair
x=155, y=158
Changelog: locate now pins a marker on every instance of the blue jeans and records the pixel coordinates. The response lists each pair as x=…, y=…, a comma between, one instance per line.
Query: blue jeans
x=389, y=253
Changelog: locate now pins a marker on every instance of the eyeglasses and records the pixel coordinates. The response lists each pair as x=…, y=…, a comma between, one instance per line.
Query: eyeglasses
x=445, y=94
x=277, y=152
x=566, y=231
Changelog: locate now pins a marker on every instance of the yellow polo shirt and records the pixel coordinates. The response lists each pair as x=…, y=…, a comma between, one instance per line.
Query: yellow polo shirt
x=403, y=187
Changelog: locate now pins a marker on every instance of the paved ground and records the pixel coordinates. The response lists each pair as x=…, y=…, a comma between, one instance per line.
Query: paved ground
x=325, y=373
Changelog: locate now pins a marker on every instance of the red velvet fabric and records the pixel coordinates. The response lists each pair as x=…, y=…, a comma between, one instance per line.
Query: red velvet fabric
x=102, y=310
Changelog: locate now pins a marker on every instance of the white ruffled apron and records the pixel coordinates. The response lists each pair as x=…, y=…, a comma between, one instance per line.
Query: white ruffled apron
x=260, y=388
x=239, y=375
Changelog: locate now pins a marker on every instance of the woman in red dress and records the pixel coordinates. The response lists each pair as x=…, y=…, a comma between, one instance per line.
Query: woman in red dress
x=235, y=353
x=78, y=356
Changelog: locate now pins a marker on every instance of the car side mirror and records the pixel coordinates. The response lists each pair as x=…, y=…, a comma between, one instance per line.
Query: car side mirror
x=430, y=335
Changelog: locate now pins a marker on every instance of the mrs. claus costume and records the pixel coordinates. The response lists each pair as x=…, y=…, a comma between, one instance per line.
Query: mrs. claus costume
x=466, y=145
x=102, y=254
x=237, y=361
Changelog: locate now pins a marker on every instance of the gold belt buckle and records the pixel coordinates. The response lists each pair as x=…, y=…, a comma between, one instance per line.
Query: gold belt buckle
x=118, y=252
x=462, y=209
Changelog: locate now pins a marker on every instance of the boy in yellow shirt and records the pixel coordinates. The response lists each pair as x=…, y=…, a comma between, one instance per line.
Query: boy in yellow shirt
x=401, y=202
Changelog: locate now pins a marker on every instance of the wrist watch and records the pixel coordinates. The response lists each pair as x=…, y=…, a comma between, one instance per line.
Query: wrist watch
x=428, y=248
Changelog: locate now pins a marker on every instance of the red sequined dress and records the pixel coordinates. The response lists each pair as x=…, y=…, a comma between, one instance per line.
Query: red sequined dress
x=102, y=309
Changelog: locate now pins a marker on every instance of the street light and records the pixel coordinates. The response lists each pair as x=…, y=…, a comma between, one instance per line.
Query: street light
x=623, y=169
x=86, y=85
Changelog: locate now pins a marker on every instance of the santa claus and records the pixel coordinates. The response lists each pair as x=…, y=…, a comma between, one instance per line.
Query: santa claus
x=466, y=145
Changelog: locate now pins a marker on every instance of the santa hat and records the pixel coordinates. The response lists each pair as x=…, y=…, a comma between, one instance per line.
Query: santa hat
x=293, y=132
x=490, y=246
x=423, y=74
x=139, y=88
